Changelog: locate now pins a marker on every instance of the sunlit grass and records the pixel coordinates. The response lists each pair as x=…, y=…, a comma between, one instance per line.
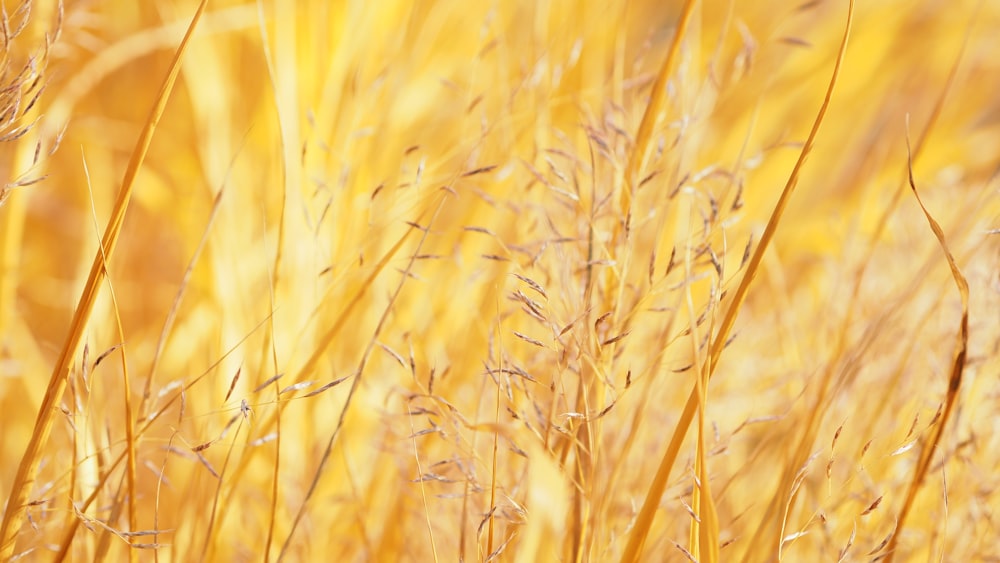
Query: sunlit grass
x=435, y=281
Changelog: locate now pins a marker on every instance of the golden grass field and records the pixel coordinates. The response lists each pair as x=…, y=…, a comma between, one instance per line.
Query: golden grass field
x=527, y=280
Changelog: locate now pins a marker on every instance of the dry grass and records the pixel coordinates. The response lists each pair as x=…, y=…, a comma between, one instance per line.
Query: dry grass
x=500, y=281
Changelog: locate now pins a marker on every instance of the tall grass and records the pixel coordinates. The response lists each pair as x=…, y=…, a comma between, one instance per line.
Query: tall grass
x=452, y=280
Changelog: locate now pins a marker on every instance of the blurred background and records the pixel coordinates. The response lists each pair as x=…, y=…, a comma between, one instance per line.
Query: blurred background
x=413, y=213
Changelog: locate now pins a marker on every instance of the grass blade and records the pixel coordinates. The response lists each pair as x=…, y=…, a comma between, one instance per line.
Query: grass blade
x=957, y=367
x=644, y=520
x=653, y=109
x=28, y=468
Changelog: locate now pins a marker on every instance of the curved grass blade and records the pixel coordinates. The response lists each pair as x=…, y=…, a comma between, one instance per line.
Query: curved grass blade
x=957, y=367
